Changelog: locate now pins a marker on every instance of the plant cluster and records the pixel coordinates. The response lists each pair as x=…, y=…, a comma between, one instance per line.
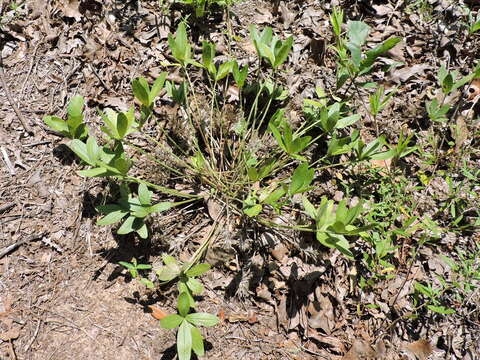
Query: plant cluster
x=258, y=165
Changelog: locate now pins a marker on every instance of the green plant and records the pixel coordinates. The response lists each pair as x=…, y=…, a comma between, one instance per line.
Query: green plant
x=135, y=208
x=332, y=225
x=147, y=95
x=186, y=274
x=270, y=47
x=201, y=7
x=73, y=127
x=189, y=336
x=352, y=60
x=133, y=268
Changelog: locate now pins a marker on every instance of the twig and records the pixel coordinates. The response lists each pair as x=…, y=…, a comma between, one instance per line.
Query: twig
x=25, y=125
x=7, y=206
x=31, y=68
x=8, y=163
x=16, y=245
x=30, y=343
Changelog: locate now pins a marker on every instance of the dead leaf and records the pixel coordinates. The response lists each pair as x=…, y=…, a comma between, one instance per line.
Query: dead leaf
x=360, y=350
x=157, y=313
x=262, y=16
x=422, y=348
x=383, y=164
x=249, y=317
x=321, y=314
x=286, y=15
x=71, y=10
x=402, y=75
x=11, y=334
x=279, y=252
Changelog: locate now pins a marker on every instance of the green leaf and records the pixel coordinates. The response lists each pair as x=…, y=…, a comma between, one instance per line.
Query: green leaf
x=144, y=195
x=195, y=286
x=141, y=90
x=80, y=149
x=94, y=172
x=142, y=229
x=347, y=121
x=122, y=125
x=357, y=32
x=441, y=309
x=337, y=242
x=184, y=341
x=167, y=274
x=274, y=196
x=208, y=53
x=57, y=124
x=266, y=52
x=149, y=284
x=198, y=270
x=157, y=87
x=127, y=265
x=239, y=75
x=144, y=266
x=372, y=54
x=278, y=136
x=160, y=207
x=301, y=179
x=223, y=70
x=253, y=211
x=112, y=217
x=183, y=304
x=197, y=342
x=182, y=51
x=202, y=319
x=309, y=208
x=127, y=226
x=75, y=111
x=282, y=53
x=93, y=150
x=171, y=321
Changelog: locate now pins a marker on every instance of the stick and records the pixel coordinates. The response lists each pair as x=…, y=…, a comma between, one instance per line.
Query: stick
x=7, y=206
x=16, y=245
x=8, y=163
x=25, y=125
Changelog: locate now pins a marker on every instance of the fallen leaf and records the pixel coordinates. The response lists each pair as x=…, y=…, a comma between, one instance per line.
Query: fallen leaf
x=157, y=313
x=249, y=317
x=422, y=348
x=402, y=75
x=360, y=350
x=11, y=334
x=71, y=10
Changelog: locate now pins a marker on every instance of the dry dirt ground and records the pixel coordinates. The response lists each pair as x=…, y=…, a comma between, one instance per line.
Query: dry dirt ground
x=63, y=294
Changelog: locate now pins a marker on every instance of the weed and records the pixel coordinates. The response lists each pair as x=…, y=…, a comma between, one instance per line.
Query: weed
x=189, y=336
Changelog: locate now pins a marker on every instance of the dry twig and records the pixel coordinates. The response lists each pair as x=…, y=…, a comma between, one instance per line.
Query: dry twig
x=25, y=125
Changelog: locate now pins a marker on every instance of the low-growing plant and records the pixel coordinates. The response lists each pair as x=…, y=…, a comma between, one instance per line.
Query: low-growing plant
x=134, y=269
x=73, y=127
x=189, y=337
x=185, y=273
x=256, y=166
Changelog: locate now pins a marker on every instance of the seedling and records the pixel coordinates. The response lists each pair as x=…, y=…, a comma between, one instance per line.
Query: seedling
x=133, y=268
x=73, y=127
x=189, y=336
x=147, y=95
x=332, y=225
x=136, y=208
x=270, y=47
x=186, y=274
